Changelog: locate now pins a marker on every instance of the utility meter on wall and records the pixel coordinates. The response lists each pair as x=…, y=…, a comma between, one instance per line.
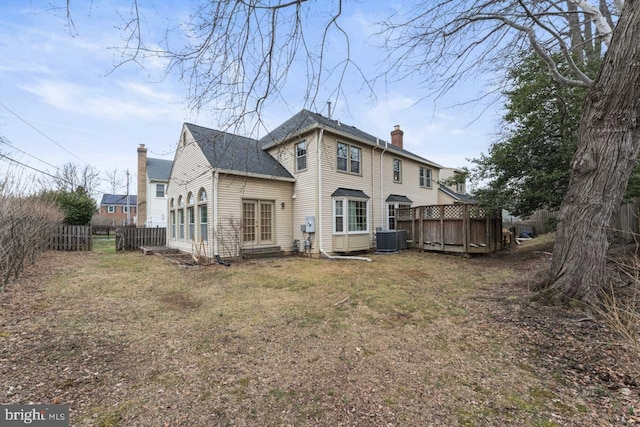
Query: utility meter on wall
x=310, y=224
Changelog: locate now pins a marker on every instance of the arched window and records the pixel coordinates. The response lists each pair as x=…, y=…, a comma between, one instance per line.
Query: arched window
x=191, y=217
x=180, y=202
x=172, y=218
x=203, y=214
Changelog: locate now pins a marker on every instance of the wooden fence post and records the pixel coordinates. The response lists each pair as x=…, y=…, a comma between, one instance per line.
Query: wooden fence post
x=442, y=226
x=421, y=228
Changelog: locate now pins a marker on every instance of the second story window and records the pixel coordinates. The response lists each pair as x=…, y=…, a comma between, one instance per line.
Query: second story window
x=397, y=170
x=348, y=158
x=111, y=209
x=125, y=209
x=460, y=188
x=301, y=156
x=159, y=190
x=355, y=160
x=425, y=177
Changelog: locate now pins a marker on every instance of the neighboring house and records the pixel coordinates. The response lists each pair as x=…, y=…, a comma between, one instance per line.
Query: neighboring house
x=455, y=192
x=258, y=193
x=113, y=209
x=153, y=179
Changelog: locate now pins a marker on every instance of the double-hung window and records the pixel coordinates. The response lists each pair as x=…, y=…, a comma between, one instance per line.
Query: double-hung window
x=301, y=156
x=159, y=190
x=111, y=209
x=397, y=170
x=425, y=177
x=202, y=200
x=173, y=224
x=339, y=216
x=125, y=209
x=348, y=158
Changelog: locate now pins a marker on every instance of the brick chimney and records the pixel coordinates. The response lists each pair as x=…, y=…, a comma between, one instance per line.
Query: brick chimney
x=396, y=136
x=141, y=209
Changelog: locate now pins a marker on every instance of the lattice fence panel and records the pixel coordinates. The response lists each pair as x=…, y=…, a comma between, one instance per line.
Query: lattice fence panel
x=453, y=211
x=404, y=214
x=432, y=212
x=477, y=212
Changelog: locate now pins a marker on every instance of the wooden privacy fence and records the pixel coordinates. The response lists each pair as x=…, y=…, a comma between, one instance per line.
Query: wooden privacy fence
x=71, y=238
x=452, y=228
x=625, y=223
x=130, y=239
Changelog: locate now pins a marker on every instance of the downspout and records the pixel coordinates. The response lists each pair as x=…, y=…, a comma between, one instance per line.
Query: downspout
x=373, y=184
x=319, y=198
x=382, y=206
x=215, y=214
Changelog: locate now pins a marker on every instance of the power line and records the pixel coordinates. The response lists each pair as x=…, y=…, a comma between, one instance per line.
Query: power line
x=36, y=169
x=42, y=133
x=4, y=140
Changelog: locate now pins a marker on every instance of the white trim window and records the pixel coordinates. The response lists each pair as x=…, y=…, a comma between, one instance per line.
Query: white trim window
x=159, y=190
x=191, y=217
x=180, y=218
x=338, y=216
x=301, y=156
x=111, y=209
x=356, y=218
x=172, y=215
x=397, y=170
x=203, y=214
x=392, y=209
x=125, y=209
x=425, y=177
x=348, y=158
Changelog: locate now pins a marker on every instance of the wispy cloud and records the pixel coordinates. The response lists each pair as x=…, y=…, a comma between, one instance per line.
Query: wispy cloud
x=125, y=105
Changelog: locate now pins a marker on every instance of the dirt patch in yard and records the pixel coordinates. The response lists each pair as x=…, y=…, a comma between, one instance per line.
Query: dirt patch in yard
x=409, y=339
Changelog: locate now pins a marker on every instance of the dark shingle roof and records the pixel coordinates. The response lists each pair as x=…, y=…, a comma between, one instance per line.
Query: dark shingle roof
x=465, y=198
x=236, y=153
x=306, y=120
x=348, y=192
x=158, y=169
x=118, y=199
x=398, y=198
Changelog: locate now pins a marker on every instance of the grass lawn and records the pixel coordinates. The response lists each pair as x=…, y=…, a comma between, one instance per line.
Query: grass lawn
x=410, y=339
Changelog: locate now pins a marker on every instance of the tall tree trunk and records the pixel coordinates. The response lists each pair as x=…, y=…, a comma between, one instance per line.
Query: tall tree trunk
x=575, y=33
x=608, y=146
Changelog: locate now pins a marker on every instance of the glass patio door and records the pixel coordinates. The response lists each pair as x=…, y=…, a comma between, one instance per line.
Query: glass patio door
x=257, y=222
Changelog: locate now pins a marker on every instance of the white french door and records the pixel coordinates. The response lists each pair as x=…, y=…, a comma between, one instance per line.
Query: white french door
x=257, y=222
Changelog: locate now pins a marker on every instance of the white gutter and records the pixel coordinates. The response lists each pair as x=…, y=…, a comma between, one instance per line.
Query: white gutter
x=215, y=213
x=382, y=204
x=319, y=198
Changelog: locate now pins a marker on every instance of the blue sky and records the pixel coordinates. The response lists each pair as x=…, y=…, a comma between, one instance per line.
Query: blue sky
x=67, y=87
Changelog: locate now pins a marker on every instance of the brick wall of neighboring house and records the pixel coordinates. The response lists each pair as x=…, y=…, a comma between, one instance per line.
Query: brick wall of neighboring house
x=118, y=217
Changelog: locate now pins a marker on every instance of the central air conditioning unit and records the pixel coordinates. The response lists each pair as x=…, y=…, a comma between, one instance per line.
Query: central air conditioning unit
x=386, y=241
x=402, y=236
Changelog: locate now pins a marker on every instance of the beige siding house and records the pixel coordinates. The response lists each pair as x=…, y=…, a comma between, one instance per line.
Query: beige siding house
x=312, y=179
x=453, y=193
